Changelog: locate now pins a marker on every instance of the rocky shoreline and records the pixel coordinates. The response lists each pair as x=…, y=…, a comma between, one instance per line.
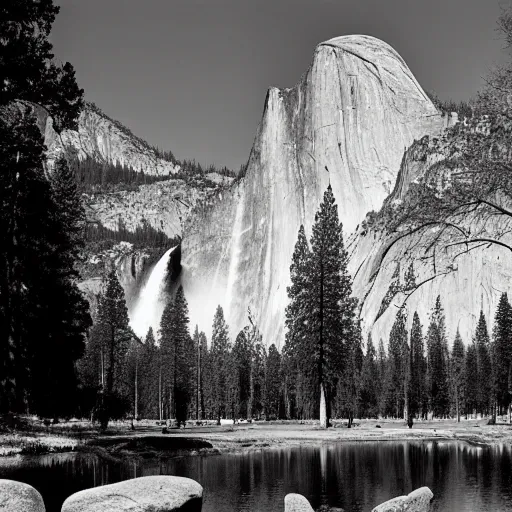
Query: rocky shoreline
x=166, y=494
x=149, y=441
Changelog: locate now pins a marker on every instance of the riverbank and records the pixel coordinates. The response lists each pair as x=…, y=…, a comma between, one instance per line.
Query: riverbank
x=147, y=440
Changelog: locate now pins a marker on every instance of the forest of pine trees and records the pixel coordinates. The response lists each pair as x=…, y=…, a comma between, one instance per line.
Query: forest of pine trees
x=59, y=359
x=93, y=176
x=415, y=374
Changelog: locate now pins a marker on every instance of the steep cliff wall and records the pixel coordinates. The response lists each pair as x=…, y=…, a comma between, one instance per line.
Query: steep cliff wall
x=104, y=139
x=468, y=278
x=164, y=205
x=348, y=121
x=131, y=263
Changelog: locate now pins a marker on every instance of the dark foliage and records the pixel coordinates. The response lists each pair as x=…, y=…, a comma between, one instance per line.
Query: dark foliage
x=27, y=68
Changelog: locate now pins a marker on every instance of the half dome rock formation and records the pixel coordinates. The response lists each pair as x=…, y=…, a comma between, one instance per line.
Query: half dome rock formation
x=347, y=123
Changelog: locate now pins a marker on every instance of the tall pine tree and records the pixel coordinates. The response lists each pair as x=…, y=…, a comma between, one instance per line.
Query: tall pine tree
x=321, y=311
x=398, y=360
x=458, y=374
x=370, y=381
x=219, y=355
x=417, y=399
x=471, y=387
x=485, y=399
x=115, y=336
x=502, y=352
x=185, y=357
x=43, y=315
x=437, y=363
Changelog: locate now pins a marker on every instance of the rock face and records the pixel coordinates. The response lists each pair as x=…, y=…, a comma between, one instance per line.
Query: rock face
x=19, y=497
x=296, y=503
x=417, y=501
x=146, y=494
x=346, y=122
x=105, y=140
x=467, y=282
x=163, y=205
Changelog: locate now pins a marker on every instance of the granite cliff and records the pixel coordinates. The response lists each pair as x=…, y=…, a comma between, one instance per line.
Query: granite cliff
x=159, y=206
x=402, y=266
x=106, y=140
x=347, y=122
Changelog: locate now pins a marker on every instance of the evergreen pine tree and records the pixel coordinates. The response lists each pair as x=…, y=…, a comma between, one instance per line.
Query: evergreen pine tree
x=370, y=381
x=502, y=351
x=27, y=67
x=204, y=381
x=437, y=363
x=185, y=357
x=198, y=377
x=168, y=357
x=348, y=394
x=242, y=352
x=297, y=311
x=149, y=376
x=458, y=374
x=398, y=361
x=115, y=338
x=233, y=387
x=273, y=379
x=330, y=323
x=178, y=359
x=384, y=379
x=219, y=361
x=69, y=207
x=417, y=399
x=484, y=367
x=471, y=385
x=320, y=315
x=43, y=315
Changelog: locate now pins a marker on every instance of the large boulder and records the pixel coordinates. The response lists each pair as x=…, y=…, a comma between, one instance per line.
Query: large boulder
x=19, y=497
x=417, y=501
x=146, y=494
x=296, y=503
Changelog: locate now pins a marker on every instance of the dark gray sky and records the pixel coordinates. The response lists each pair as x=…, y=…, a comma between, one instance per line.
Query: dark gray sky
x=191, y=75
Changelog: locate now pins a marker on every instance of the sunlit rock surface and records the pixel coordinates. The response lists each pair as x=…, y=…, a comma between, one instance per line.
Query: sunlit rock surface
x=466, y=281
x=416, y=501
x=145, y=494
x=347, y=122
x=104, y=139
x=296, y=503
x=163, y=205
x=131, y=265
x=19, y=497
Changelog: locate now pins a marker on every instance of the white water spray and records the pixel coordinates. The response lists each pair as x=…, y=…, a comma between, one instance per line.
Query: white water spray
x=150, y=303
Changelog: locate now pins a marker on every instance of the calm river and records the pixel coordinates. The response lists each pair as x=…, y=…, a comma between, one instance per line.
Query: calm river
x=353, y=476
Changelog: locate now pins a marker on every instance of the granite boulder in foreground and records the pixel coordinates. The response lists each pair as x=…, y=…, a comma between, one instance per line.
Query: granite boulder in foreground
x=146, y=494
x=417, y=501
x=19, y=497
x=296, y=503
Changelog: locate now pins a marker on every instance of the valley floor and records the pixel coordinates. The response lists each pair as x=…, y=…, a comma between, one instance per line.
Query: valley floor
x=148, y=440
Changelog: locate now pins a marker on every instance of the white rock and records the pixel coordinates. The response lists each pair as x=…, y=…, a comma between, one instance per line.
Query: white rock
x=19, y=497
x=296, y=503
x=146, y=494
x=417, y=501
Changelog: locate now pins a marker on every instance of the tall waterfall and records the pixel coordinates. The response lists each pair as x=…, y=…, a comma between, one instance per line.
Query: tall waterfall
x=150, y=303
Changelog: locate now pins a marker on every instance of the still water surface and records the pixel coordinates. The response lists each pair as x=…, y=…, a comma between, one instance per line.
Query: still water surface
x=354, y=476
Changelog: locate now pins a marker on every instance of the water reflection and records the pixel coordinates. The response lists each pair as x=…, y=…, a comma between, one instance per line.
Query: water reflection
x=354, y=476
